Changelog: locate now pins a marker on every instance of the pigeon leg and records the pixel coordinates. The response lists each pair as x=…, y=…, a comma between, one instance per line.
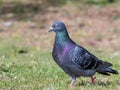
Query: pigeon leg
x=73, y=78
x=93, y=80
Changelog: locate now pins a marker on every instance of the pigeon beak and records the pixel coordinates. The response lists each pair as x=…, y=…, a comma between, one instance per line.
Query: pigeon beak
x=51, y=29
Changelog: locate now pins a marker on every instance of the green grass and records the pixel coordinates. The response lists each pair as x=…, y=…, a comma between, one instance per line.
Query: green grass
x=36, y=70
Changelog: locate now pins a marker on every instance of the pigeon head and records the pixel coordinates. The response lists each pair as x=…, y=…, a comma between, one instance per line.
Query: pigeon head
x=58, y=26
x=61, y=32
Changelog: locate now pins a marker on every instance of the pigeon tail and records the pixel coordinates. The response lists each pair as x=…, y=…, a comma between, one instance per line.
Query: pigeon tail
x=106, y=63
x=106, y=71
x=110, y=70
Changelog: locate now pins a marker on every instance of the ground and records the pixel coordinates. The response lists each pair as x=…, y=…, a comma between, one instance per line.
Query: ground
x=26, y=45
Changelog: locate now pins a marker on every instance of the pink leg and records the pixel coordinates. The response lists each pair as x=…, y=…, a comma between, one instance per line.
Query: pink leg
x=93, y=80
x=72, y=82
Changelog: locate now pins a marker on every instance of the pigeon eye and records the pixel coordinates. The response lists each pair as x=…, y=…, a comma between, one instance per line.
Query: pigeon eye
x=57, y=25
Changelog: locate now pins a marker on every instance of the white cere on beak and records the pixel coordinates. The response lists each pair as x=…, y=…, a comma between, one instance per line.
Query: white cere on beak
x=51, y=27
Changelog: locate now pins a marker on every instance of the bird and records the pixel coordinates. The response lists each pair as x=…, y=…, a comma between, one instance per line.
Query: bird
x=74, y=59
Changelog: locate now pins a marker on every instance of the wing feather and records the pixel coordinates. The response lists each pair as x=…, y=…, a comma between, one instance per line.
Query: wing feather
x=84, y=60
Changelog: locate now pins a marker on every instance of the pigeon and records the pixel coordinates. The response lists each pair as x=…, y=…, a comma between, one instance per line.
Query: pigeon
x=74, y=59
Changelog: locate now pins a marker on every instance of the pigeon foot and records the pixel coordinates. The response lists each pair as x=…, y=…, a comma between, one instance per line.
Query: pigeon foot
x=93, y=80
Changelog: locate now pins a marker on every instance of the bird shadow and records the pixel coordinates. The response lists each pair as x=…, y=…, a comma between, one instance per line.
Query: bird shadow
x=99, y=83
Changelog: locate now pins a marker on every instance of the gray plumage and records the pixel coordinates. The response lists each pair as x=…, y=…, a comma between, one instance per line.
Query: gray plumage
x=75, y=60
